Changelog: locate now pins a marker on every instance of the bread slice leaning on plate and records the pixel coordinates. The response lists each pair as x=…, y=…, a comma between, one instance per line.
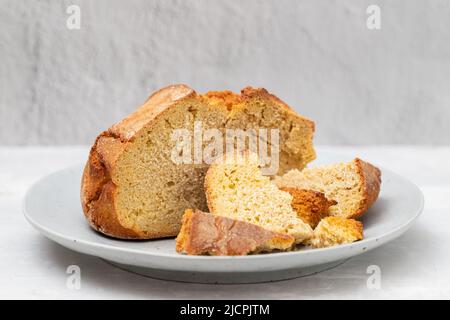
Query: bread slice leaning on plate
x=206, y=233
x=235, y=188
x=131, y=186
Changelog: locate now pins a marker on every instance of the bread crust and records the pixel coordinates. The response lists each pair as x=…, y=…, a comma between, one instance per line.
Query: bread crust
x=98, y=191
x=371, y=181
x=311, y=206
x=205, y=233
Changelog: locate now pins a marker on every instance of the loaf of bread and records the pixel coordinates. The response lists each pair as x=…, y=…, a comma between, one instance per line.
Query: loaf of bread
x=204, y=233
x=235, y=188
x=311, y=206
x=354, y=185
x=131, y=187
x=332, y=231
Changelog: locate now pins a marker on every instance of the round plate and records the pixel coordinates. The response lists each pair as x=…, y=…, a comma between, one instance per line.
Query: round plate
x=52, y=206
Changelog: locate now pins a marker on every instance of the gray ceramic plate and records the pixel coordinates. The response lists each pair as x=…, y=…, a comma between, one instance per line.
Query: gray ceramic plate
x=52, y=206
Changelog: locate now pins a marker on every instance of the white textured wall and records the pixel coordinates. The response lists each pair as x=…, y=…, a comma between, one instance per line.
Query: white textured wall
x=59, y=86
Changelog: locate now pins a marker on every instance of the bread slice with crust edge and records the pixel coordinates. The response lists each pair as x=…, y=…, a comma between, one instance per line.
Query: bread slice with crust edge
x=207, y=234
x=98, y=190
x=355, y=185
x=236, y=188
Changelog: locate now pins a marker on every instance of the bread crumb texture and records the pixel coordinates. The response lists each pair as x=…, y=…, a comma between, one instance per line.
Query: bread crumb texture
x=235, y=188
x=355, y=185
x=332, y=231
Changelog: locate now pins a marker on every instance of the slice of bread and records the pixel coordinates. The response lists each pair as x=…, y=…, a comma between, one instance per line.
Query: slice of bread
x=311, y=206
x=256, y=108
x=131, y=187
x=235, y=188
x=205, y=233
x=354, y=185
x=332, y=231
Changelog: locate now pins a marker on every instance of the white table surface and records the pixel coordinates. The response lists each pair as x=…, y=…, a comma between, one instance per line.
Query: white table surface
x=417, y=265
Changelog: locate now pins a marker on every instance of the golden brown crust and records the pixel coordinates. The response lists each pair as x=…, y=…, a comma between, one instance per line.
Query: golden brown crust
x=311, y=206
x=153, y=106
x=226, y=97
x=249, y=92
x=97, y=187
x=205, y=233
x=182, y=240
x=371, y=182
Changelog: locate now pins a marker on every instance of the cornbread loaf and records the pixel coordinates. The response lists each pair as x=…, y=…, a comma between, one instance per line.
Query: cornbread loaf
x=354, y=185
x=235, y=188
x=332, y=231
x=311, y=206
x=205, y=233
x=131, y=187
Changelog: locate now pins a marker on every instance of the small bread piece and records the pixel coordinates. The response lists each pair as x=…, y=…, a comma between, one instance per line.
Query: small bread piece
x=311, y=206
x=354, y=185
x=131, y=186
x=205, y=233
x=235, y=188
x=332, y=231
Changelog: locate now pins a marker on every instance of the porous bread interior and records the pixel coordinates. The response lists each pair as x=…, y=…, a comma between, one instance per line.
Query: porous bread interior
x=340, y=182
x=236, y=188
x=295, y=131
x=153, y=192
x=333, y=231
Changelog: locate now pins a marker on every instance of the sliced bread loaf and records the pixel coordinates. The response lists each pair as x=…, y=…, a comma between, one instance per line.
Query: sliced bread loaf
x=205, y=233
x=235, y=188
x=354, y=185
x=332, y=231
x=132, y=188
